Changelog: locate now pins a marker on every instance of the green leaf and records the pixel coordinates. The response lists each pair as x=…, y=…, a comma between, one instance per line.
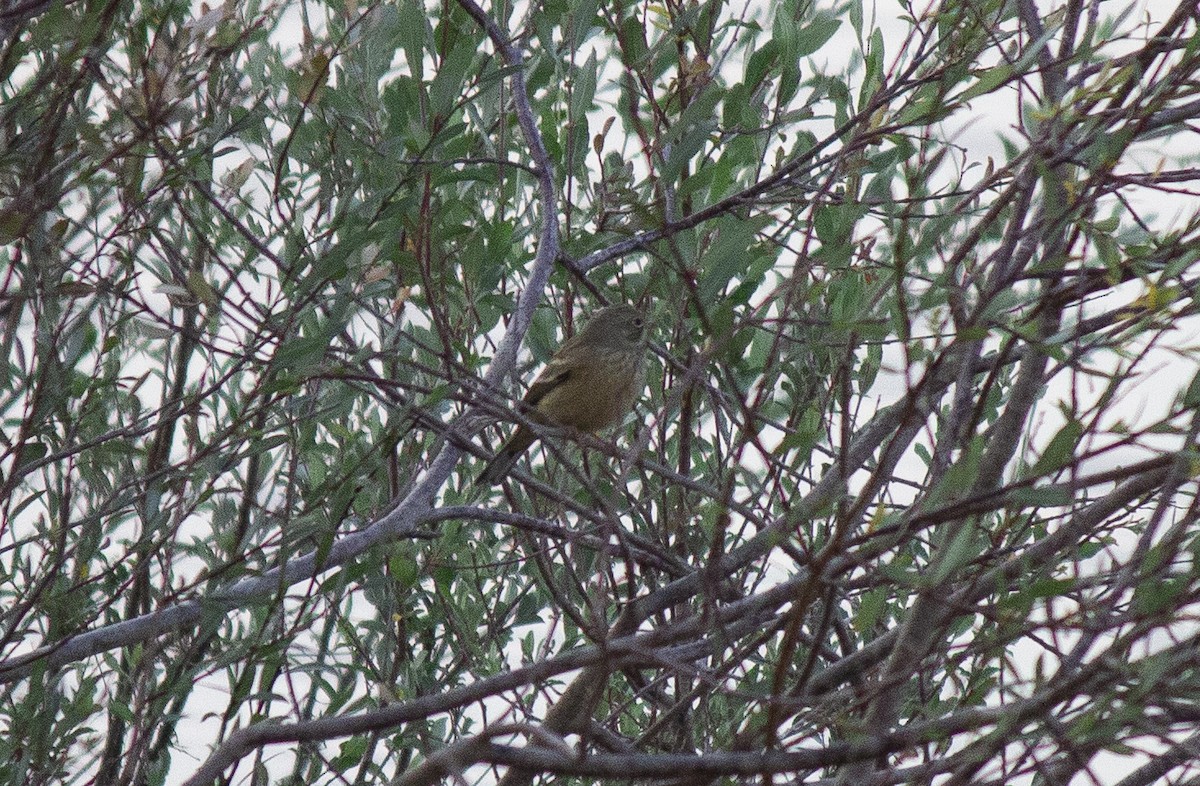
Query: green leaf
x=1156, y=595
x=448, y=84
x=923, y=453
x=868, y=369
x=761, y=62
x=584, y=18
x=814, y=35
x=404, y=570
x=871, y=610
x=120, y=709
x=1192, y=397
x=959, y=478
x=1052, y=588
x=302, y=353
x=1061, y=450
x=966, y=545
x=835, y=223
x=1047, y=497
x=728, y=255
x=583, y=91
x=807, y=431
x=988, y=81
x=350, y=753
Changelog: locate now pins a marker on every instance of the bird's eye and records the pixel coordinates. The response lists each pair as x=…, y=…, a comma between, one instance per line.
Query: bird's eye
x=638, y=322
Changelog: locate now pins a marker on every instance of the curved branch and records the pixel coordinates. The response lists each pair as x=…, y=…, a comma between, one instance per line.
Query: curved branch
x=407, y=516
x=548, y=243
x=626, y=651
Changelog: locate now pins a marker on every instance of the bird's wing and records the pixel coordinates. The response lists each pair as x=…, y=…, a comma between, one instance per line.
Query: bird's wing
x=553, y=375
x=556, y=372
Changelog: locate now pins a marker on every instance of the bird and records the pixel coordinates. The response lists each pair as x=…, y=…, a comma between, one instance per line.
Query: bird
x=589, y=384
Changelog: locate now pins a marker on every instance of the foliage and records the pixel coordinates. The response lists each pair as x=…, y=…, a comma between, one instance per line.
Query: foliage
x=909, y=493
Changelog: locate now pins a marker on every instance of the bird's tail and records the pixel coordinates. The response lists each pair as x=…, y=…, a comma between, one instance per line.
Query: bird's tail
x=506, y=457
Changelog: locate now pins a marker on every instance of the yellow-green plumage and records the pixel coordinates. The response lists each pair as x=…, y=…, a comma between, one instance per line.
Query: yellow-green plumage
x=590, y=383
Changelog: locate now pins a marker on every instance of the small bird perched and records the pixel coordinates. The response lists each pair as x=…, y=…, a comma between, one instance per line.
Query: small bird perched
x=590, y=383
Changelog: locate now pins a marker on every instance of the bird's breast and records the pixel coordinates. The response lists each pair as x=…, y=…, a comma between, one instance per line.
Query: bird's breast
x=595, y=395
